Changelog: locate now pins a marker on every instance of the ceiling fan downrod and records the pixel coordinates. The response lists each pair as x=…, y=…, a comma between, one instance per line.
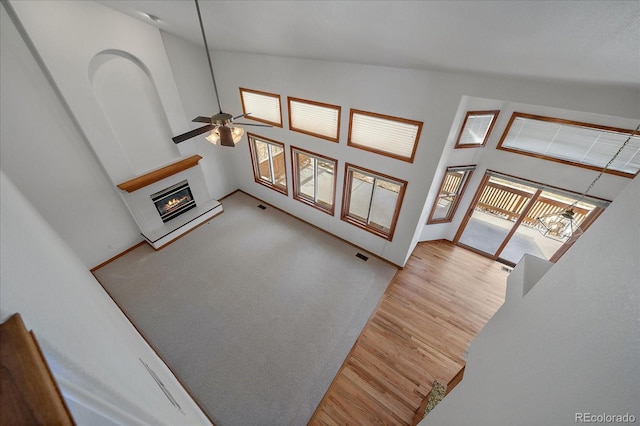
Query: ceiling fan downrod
x=206, y=48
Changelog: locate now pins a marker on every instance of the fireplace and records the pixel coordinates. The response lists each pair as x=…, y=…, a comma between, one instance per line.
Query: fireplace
x=173, y=201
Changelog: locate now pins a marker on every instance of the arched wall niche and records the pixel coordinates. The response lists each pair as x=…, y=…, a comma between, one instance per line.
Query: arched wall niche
x=129, y=99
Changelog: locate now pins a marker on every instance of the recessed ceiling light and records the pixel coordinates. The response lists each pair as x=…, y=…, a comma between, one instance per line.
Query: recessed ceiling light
x=151, y=17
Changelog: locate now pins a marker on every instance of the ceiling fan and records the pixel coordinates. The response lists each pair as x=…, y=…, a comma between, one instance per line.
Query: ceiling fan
x=220, y=124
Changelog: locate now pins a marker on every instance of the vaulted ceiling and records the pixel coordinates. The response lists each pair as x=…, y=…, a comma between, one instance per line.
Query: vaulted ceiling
x=580, y=41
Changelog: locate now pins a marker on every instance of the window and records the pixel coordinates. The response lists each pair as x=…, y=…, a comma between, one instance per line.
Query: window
x=314, y=118
x=476, y=128
x=383, y=134
x=314, y=179
x=261, y=106
x=372, y=200
x=570, y=142
x=451, y=190
x=267, y=157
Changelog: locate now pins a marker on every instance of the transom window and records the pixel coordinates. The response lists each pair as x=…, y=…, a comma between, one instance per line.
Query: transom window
x=314, y=179
x=261, y=106
x=383, y=134
x=451, y=189
x=372, y=200
x=580, y=144
x=314, y=118
x=267, y=157
x=476, y=128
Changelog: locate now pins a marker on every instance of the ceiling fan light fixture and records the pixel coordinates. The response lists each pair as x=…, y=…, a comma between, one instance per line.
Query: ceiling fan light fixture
x=217, y=135
x=214, y=137
x=222, y=133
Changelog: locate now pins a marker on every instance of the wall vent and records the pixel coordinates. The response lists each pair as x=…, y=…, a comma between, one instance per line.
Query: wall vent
x=362, y=256
x=260, y=206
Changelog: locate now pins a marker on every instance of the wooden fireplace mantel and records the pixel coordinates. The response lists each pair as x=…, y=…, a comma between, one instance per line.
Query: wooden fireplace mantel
x=157, y=175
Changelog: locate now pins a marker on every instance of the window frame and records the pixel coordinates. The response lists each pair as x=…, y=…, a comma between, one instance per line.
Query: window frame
x=346, y=200
x=260, y=92
x=295, y=174
x=562, y=160
x=255, y=164
x=390, y=118
x=338, y=108
x=458, y=196
x=494, y=113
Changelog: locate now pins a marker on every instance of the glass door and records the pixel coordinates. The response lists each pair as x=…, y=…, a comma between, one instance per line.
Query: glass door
x=497, y=209
x=502, y=222
x=527, y=238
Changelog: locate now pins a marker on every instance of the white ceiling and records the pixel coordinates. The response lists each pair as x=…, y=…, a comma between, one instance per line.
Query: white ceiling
x=584, y=41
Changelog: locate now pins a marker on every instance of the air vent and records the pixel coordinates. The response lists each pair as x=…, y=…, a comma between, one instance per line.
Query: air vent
x=504, y=268
x=262, y=207
x=362, y=256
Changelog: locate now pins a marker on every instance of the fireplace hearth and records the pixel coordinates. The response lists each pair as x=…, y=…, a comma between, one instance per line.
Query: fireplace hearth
x=173, y=201
x=175, y=205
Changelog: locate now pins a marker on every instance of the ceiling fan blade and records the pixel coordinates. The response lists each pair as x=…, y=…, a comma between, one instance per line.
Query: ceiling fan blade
x=226, y=138
x=241, y=115
x=193, y=133
x=251, y=124
x=201, y=119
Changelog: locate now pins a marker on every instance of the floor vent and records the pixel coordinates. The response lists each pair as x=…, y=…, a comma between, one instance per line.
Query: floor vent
x=362, y=256
x=504, y=268
x=262, y=207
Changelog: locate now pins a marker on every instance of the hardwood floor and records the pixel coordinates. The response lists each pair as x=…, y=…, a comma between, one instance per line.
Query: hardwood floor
x=419, y=333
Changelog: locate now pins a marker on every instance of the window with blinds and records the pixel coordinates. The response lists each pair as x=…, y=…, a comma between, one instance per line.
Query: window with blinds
x=314, y=118
x=476, y=128
x=261, y=106
x=371, y=200
x=579, y=144
x=383, y=134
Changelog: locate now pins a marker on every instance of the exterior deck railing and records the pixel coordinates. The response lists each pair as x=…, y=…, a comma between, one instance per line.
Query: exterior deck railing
x=509, y=202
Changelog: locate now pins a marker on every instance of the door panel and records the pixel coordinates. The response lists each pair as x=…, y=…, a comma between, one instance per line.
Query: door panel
x=497, y=209
x=501, y=223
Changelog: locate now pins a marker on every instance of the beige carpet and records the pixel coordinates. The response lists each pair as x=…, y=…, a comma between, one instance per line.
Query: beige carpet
x=255, y=311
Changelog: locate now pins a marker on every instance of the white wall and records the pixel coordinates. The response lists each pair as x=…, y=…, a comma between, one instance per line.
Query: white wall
x=523, y=166
x=47, y=156
x=572, y=344
x=180, y=73
x=71, y=55
x=191, y=72
x=91, y=347
x=431, y=97
x=50, y=156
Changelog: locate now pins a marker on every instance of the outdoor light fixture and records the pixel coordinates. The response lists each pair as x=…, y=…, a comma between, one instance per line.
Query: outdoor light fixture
x=559, y=226
x=562, y=225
